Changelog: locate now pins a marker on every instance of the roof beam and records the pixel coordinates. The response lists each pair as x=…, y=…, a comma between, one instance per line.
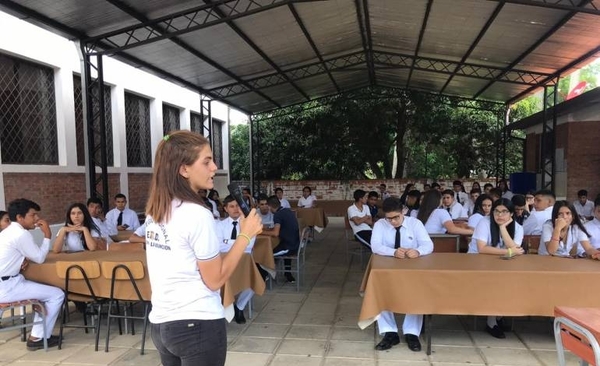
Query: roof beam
x=312, y=44
x=527, y=52
x=447, y=67
x=369, y=39
x=137, y=15
x=563, y=70
x=363, y=38
x=257, y=49
x=567, y=5
x=467, y=54
x=421, y=34
x=182, y=22
x=320, y=67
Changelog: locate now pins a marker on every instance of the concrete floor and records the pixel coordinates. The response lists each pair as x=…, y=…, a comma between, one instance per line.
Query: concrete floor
x=317, y=326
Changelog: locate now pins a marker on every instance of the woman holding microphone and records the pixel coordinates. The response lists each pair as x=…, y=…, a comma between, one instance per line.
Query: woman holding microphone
x=184, y=263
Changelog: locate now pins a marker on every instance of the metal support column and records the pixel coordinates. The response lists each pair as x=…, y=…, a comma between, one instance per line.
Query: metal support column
x=548, y=148
x=255, y=156
x=94, y=116
x=206, y=117
x=501, y=139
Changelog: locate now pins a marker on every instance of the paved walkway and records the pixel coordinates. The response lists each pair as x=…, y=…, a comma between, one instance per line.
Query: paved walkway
x=317, y=327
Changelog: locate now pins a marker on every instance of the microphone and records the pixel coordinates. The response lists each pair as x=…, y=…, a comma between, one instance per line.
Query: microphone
x=236, y=193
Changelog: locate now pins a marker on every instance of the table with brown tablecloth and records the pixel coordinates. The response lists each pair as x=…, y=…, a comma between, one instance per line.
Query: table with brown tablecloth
x=312, y=216
x=477, y=284
x=246, y=275
x=263, y=251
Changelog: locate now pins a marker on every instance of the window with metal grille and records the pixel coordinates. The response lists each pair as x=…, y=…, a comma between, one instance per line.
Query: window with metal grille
x=27, y=113
x=170, y=119
x=196, y=123
x=217, y=139
x=137, y=127
x=79, y=128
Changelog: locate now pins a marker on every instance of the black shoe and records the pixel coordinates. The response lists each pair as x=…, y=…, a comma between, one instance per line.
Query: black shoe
x=502, y=325
x=495, y=331
x=239, y=315
x=39, y=344
x=413, y=343
x=290, y=278
x=389, y=339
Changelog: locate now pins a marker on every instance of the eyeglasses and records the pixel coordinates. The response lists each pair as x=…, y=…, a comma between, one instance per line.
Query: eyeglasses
x=501, y=212
x=393, y=218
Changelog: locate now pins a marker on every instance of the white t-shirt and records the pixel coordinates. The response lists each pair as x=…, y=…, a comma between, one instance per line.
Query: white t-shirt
x=593, y=228
x=508, y=195
x=307, y=202
x=474, y=220
x=73, y=241
x=215, y=210
x=285, y=203
x=435, y=222
x=483, y=232
x=584, y=210
x=354, y=212
x=574, y=237
x=173, y=250
x=533, y=224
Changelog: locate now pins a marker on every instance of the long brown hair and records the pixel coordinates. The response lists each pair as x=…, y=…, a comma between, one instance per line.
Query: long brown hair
x=430, y=202
x=176, y=149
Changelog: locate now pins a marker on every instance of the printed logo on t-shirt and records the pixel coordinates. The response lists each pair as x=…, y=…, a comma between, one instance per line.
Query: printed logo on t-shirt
x=156, y=235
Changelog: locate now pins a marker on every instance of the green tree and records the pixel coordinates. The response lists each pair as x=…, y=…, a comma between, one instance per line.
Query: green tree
x=240, y=152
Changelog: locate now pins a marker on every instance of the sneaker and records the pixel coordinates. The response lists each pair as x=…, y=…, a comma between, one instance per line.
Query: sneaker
x=39, y=344
x=290, y=278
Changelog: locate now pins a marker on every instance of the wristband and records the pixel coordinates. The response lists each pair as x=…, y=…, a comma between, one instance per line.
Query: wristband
x=509, y=252
x=245, y=236
x=555, y=239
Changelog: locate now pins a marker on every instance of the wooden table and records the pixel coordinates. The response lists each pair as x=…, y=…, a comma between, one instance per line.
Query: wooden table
x=263, y=251
x=122, y=236
x=312, y=216
x=476, y=284
x=246, y=275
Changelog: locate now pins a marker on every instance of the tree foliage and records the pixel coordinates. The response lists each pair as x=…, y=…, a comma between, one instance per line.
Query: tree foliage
x=377, y=133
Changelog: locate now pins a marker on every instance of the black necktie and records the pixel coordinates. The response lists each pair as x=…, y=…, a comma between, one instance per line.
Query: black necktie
x=397, y=243
x=458, y=198
x=120, y=219
x=234, y=230
x=448, y=209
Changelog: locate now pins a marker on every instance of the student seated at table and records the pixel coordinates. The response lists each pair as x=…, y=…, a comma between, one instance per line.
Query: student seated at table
x=360, y=218
x=521, y=212
x=264, y=212
x=287, y=230
x=542, y=202
x=282, y=200
x=94, y=206
x=139, y=235
x=227, y=233
x=405, y=238
x=593, y=227
x=564, y=235
x=436, y=219
x=412, y=202
x=469, y=205
x=4, y=220
x=454, y=208
x=247, y=196
x=308, y=200
x=372, y=198
x=79, y=233
x=584, y=207
x=481, y=209
x=498, y=234
x=122, y=217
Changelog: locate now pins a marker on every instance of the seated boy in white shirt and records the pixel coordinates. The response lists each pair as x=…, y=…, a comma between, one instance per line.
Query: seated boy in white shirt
x=227, y=231
x=454, y=208
x=360, y=218
x=593, y=227
x=308, y=200
x=405, y=238
x=583, y=206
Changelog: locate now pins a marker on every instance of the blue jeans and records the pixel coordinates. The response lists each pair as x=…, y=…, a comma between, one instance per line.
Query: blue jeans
x=191, y=342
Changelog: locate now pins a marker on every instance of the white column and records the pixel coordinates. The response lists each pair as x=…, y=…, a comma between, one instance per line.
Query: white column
x=156, y=124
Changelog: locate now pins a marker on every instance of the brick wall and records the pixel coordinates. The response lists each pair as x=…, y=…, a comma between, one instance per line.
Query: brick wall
x=139, y=187
x=583, y=158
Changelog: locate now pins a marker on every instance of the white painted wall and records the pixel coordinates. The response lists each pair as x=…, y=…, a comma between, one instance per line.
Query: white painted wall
x=26, y=41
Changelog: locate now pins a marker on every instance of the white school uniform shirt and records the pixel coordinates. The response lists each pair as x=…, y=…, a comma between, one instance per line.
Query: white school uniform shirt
x=16, y=244
x=468, y=208
x=129, y=217
x=106, y=230
x=307, y=202
x=74, y=240
x=584, y=210
x=593, y=228
x=574, y=237
x=412, y=236
x=215, y=210
x=474, y=220
x=462, y=199
x=173, y=250
x=508, y=195
x=483, y=232
x=224, y=229
x=533, y=224
x=435, y=222
x=354, y=212
x=456, y=210
x=285, y=203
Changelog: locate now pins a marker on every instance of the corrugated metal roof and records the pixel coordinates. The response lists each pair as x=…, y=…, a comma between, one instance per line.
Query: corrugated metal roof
x=259, y=55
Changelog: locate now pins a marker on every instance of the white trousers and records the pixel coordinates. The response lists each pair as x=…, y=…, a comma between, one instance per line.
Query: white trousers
x=387, y=323
x=18, y=288
x=243, y=298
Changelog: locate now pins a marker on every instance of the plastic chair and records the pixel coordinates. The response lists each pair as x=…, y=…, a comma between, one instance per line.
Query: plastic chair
x=299, y=258
x=37, y=307
x=351, y=240
x=80, y=271
x=125, y=272
x=578, y=330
